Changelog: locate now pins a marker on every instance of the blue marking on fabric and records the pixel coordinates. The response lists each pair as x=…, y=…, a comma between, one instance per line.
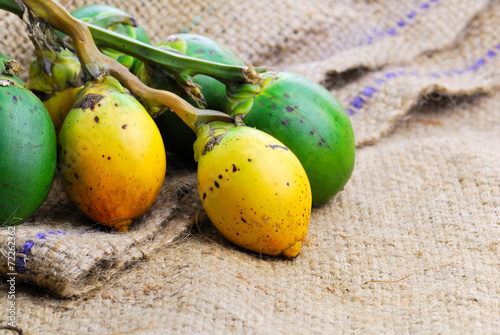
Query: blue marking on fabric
x=27, y=247
x=358, y=102
x=480, y=62
x=21, y=261
x=369, y=91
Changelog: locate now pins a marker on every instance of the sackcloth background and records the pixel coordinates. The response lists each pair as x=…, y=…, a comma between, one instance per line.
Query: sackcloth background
x=410, y=245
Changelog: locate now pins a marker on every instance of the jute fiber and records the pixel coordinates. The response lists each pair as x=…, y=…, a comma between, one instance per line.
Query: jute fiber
x=410, y=245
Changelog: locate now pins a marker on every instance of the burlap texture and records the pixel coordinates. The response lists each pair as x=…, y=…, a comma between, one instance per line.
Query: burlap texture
x=411, y=245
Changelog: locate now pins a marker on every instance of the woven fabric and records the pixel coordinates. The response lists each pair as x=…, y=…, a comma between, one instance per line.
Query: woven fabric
x=410, y=245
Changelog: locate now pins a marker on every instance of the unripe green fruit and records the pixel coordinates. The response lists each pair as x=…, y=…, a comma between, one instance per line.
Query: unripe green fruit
x=28, y=153
x=310, y=121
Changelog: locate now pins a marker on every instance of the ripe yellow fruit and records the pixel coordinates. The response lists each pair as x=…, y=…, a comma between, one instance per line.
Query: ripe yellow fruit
x=253, y=188
x=111, y=155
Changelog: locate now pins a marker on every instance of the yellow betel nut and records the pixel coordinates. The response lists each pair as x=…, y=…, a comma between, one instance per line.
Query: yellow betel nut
x=253, y=188
x=111, y=155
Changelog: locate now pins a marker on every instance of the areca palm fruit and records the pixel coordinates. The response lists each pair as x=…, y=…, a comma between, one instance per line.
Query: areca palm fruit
x=308, y=119
x=253, y=188
x=28, y=148
x=111, y=155
x=55, y=82
x=116, y=20
x=178, y=137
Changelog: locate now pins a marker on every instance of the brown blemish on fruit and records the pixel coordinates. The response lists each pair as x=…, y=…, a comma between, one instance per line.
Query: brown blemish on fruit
x=212, y=143
x=89, y=101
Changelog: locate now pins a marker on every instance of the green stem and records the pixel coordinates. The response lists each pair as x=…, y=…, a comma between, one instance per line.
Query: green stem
x=99, y=65
x=172, y=62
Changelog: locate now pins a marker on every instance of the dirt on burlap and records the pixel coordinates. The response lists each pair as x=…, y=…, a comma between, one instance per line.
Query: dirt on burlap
x=410, y=245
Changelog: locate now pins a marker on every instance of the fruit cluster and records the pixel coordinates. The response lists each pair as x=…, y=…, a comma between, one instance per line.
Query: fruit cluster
x=268, y=147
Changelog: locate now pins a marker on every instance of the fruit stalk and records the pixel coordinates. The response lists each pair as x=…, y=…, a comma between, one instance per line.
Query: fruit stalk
x=98, y=65
x=172, y=62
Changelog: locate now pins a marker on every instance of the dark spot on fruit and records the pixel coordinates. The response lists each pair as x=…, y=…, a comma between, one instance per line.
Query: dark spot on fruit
x=216, y=184
x=211, y=189
x=89, y=101
x=235, y=168
x=285, y=122
x=286, y=96
x=249, y=159
x=116, y=105
x=204, y=196
x=6, y=185
x=109, y=158
x=124, y=126
x=275, y=146
x=96, y=119
x=287, y=184
x=289, y=109
x=320, y=144
x=76, y=176
x=220, y=176
x=242, y=219
x=14, y=98
x=311, y=132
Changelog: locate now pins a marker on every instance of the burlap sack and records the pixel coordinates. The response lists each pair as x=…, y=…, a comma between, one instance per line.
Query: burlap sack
x=411, y=245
